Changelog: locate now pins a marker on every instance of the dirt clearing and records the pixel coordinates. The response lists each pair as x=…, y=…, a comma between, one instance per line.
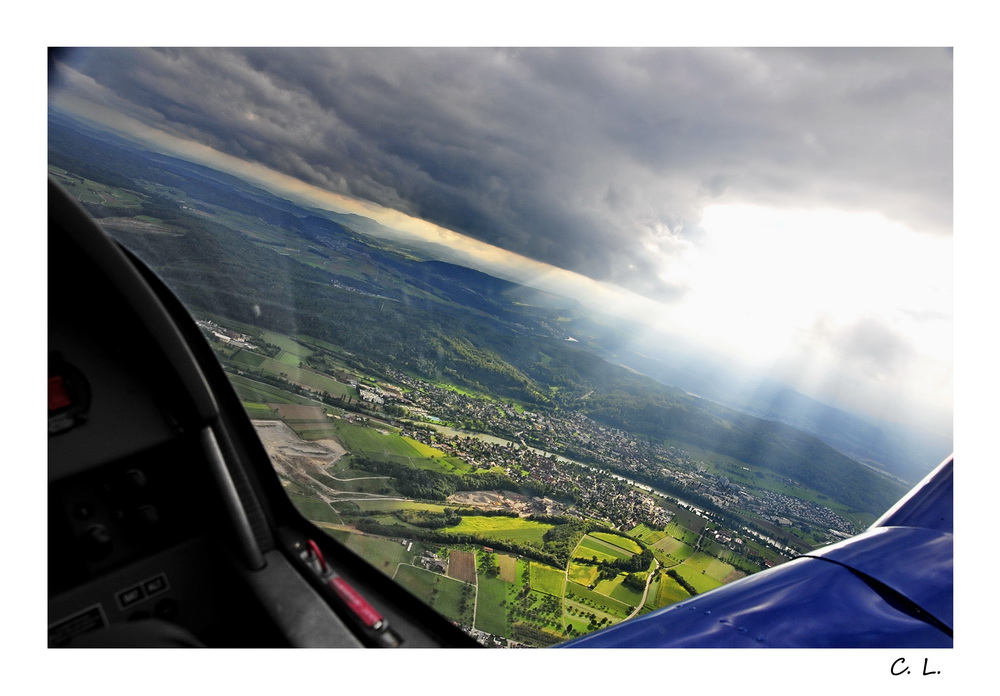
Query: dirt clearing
x=296, y=459
x=462, y=566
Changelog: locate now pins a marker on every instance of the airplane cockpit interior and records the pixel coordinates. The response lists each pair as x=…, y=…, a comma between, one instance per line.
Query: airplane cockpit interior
x=167, y=526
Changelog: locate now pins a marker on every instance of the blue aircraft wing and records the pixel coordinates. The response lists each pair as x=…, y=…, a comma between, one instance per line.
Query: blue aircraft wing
x=891, y=586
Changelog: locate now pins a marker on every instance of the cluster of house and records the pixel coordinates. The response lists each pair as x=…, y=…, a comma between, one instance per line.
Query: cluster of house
x=431, y=561
x=619, y=504
x=372, y=395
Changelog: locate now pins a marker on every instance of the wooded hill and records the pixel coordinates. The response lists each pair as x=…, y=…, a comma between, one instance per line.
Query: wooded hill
x=432, y=319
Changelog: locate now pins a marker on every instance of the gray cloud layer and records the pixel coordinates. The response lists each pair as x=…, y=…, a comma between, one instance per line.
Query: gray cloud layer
x=595, y=160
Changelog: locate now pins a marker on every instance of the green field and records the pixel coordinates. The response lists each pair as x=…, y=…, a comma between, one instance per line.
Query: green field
x=384, y=554
x=596, y=601
x=363, y=482
x=430, y=458
x=627, y=545
x=387, y=446
x=312, y=429
x=287, y=344
x=491, y=599
x=333, y=355
x=547, y=579
x=670, y=592
x=712, y=567
x=684, y=520
x=651, y=598
x=448, y=596
x=290, y=359
x=670, y=551
x=321, y=433
x=446, y=465
x=251, y=390
x=318, y=342
x=591, y=546
x=314, y=509
x=610, y=587
x=247, y=358
x=675, y=558
x=390, y=505
x=228, y=323
x=306, y=377
x=359, y=439
x=511, y=528
x=583, y=573
x=587, y=551
x=626, y=594
x=259, y=411
x=700, y=581
x=647, y=534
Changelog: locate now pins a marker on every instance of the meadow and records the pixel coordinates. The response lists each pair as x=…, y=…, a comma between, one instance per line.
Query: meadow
x=512, y=528
x=247, y=358
x=590, y=546
x=287, y=344
x=547, y=579
x=647, y=534
x=314, y=509
x=508, y=568
x=670, y=592
x=583, y=573
x=708, y=565
x=391, y=505
x=452, y=598
x=491, y=599
x=626, y=594
x=253, y=391
x=383, y=554
x=369, y=442
x=259, y=411
x=672, y=547
x=624, y=543
x=305, y=377
x=699, y=580
x=685, y=534
x=596, y=602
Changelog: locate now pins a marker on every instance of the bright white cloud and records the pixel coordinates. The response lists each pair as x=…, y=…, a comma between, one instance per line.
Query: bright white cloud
x=826, y=297
x=762, y=276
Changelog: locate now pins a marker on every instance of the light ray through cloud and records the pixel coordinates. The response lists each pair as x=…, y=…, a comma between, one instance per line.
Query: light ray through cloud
x=782, y=206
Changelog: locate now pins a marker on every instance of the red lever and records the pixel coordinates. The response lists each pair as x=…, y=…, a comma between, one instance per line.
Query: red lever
x=358, y=604
x=319, y=554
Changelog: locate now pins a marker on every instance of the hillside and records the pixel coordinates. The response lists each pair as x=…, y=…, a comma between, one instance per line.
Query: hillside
x=243, y=253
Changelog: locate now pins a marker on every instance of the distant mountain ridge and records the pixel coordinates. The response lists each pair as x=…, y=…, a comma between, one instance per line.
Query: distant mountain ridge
x=903, y=451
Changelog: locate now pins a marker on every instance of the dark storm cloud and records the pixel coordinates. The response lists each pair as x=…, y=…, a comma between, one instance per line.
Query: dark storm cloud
x=594, y=160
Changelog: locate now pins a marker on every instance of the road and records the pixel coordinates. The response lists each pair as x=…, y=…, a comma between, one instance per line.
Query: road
x=645, y=592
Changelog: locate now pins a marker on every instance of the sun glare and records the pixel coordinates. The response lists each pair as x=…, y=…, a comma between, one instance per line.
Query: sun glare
x=763, y=276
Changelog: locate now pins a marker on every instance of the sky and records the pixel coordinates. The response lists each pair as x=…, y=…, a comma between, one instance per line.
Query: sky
x=791, y=208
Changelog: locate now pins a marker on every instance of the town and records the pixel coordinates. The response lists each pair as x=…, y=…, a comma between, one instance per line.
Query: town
x=585, y=468
x=541, y=436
